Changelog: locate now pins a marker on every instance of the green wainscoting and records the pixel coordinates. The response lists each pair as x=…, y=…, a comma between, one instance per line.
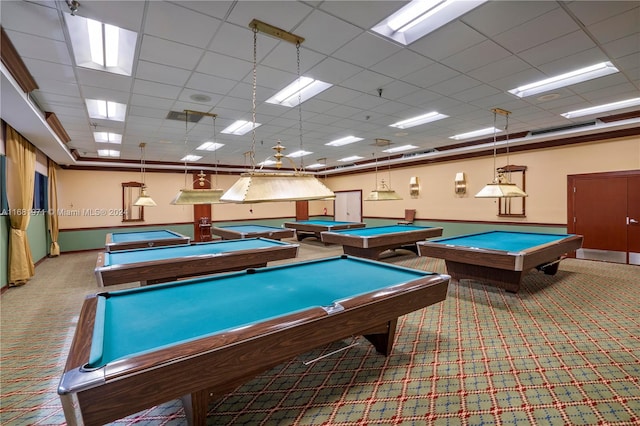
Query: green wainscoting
x=93, y=239
x=4, y=250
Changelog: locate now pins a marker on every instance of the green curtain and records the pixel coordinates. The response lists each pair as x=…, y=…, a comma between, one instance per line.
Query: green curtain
x=52, y=214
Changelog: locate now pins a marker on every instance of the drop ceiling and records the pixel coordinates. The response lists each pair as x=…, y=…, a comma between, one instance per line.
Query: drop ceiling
x=198, y=55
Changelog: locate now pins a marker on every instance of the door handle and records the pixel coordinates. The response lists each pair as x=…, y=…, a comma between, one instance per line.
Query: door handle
x=631, y=221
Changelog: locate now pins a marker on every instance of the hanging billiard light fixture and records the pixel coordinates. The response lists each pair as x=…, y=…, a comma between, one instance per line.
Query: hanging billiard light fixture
x=144, y=200
x=257, y=186
x=201, y=195
x=501, y=187
x=383, y=191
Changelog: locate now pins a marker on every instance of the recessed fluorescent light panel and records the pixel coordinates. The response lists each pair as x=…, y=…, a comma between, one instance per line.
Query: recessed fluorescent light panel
x=566, y=79
x=399, y=149
x=108, y=153
x=602, y=108
x=344, y=141
x=267, y=163
x=352, y=158
x=316, y=166
x=107, y=137
x=299, y=91
x=298, y=154
x=421, y=119
x=240, y=128
x=421, y=17
x=191, y=158
x=101, y=46
x=106, y=110
x=476, y=133
x=210, y=146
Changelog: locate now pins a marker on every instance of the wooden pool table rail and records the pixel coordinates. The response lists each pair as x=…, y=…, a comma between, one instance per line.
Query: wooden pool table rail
x=502, y=269
x=165, y=270
x=199, y=370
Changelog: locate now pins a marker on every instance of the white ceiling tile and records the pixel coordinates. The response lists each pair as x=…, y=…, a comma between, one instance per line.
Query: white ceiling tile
x=325, y=33
x=155, y=50
x=123, y=14
x=110, y=81
x=161, y=73
x=282, y=14
x=448, y=40
x=537, y=31
x=210, y=84
x=401, y=63
x=495, y=17
x=37, y=47
x=49, y=70
x=617, y=27
x=366, y=50
x=590, y=12
x=171, y=21
x=152, y=88
x=333, y=71
x=553, y=50
x=38, y=20
x=360, y=13
x=224, y=66
x=430, y=75
x=481, y=54
x=366, y=82
x=237, y=42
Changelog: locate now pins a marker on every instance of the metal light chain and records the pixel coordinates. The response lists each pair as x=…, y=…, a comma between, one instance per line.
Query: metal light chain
x=299, y=105
x=252, y=155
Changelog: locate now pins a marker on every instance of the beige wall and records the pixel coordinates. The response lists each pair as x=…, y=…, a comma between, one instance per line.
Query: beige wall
x=100, y=191
x=93, y=199
x=546, y=183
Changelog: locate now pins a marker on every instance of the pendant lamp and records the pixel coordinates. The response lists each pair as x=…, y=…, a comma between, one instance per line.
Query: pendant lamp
x=501, y=187
x=144, y=200
x=383, y=191
x=257, y=186
x=202, y=195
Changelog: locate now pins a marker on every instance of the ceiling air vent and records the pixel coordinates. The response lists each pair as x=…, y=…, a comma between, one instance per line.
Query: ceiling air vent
x=181, y=116
x=573, y=126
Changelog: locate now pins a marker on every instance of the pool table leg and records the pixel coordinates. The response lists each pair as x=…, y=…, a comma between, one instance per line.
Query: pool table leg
x=196, y=406
x=550, y=268
x=382, y=337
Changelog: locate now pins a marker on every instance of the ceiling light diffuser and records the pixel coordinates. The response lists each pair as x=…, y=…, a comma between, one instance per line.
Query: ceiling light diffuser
x=421, y=119
x=191, y=158
x=298, y=154
x=101, y=46
x=399, y=149
x=602, y=108
x=476, y=133
x=421, y=17
x=210, y=146
x=299, y=91
x=566, y=79
x=108, y=153
x=240, y=127
x=106, y=110
x=107, y=137
x=352, y=158
x=344, y=141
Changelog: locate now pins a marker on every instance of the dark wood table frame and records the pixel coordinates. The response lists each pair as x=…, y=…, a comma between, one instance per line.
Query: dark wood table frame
x=306, y=230
x=371, y=247
x=500, y=268
x=159, y=271
x=206, y=368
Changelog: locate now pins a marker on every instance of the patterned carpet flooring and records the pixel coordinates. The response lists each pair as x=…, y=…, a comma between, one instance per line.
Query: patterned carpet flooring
x=565, y=350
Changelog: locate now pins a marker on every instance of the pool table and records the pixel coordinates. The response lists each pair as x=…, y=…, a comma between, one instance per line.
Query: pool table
x=201, y=338
x=313, y=228
x=371, y=242
x=141, y=239
x=501, y=258
x=235, y=232
x=169, y=263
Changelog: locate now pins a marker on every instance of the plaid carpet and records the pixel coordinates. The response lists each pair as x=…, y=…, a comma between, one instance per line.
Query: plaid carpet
x=565, y=350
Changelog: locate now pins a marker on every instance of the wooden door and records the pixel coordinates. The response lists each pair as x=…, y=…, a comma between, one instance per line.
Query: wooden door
x=302, y=210
x=633, y=219
x=602, y=207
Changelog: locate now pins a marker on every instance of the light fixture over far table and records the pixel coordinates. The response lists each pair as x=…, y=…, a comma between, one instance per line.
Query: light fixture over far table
x=501, y=187
x=383, y=191
x=143, y=200
x=202, y=195
x=257, y=186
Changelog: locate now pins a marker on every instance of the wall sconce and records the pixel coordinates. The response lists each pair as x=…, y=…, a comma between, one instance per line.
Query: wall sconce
x=460, y=184
x=414, y=186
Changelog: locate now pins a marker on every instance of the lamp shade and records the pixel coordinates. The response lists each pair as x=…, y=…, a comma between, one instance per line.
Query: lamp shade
x=501, y=190
x=198, y=196
x=144, y=200
x=383, y=195
x=261, y=187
